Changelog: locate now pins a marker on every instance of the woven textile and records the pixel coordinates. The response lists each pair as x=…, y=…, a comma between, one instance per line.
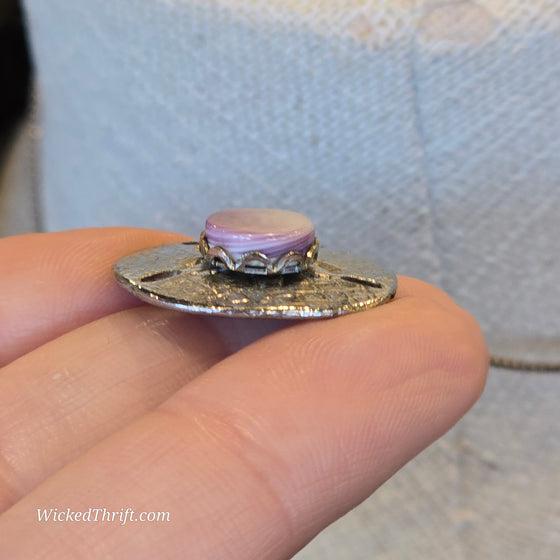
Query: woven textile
x=423, y=133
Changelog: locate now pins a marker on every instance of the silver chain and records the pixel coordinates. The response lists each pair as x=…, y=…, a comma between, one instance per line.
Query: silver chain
x=525, y=366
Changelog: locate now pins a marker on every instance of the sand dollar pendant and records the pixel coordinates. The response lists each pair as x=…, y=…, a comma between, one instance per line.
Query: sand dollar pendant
x=256, y=263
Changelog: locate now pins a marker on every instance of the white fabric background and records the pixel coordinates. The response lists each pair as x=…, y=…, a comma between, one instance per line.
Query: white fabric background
x=423, y=133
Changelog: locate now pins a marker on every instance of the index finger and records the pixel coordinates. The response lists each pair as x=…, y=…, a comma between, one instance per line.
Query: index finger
x=52, y=283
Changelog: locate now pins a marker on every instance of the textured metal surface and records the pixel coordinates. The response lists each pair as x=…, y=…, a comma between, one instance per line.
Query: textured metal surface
x=175, y=276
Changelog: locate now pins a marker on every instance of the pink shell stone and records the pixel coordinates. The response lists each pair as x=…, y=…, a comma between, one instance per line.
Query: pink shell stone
x=272, y=232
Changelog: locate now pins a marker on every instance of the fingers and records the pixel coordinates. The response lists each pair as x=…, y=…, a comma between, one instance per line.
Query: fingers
x=272, y=444
x=61, y=399
x=52, y=283
x=412, y=287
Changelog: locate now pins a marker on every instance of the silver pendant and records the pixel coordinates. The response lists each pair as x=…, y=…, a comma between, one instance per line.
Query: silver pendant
x=188, y=277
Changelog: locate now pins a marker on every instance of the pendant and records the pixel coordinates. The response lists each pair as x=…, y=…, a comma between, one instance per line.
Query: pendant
x=256, y=263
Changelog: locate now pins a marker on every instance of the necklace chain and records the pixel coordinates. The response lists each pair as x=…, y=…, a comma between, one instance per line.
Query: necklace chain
x=525, y=366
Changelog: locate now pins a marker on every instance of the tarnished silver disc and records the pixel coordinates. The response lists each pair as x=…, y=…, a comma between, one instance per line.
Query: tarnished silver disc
x=175, y=276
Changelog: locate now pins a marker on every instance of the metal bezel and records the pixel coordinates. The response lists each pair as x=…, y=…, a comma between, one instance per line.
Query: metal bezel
x=255, y=262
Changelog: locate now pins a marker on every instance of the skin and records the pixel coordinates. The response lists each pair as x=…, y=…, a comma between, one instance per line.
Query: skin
x=253, y=435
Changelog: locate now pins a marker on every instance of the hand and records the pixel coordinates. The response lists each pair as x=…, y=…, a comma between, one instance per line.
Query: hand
x=106, y=403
